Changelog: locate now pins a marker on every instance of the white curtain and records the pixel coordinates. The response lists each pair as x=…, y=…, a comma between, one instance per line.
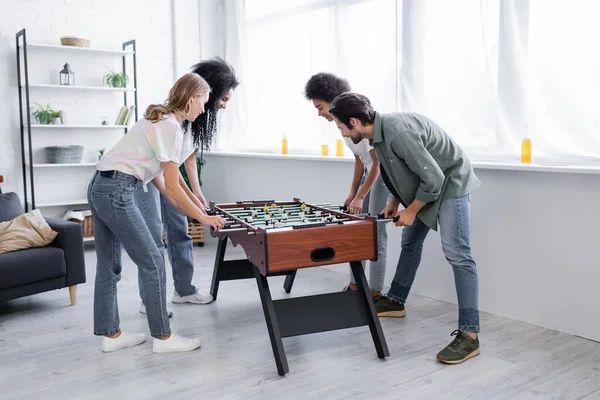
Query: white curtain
x=234, y=133
x=488, y=71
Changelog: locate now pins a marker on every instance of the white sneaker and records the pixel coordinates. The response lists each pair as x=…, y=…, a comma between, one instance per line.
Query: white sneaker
x=123, y=340
x=196, y=298
x=175, y=344
x=143, y=310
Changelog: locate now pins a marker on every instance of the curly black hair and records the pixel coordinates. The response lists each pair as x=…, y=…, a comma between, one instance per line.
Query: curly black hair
x=221, y=77
x=325, y=86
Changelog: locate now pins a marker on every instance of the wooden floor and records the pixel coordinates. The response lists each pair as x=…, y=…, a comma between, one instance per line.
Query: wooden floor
x=47, y=351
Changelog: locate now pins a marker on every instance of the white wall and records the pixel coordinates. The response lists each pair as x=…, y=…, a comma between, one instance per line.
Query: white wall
x=534, y=234
x=108, y=23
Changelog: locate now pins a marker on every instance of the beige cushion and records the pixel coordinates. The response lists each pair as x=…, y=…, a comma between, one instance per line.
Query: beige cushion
x=25, y=231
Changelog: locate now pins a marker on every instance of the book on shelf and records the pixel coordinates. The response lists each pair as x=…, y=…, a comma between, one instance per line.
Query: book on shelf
x=124, y=115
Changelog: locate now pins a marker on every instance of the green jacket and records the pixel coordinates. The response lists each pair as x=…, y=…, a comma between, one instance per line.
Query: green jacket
x=420, y=161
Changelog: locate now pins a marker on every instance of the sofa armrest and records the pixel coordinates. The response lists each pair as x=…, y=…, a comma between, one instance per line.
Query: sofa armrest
x=70, y=239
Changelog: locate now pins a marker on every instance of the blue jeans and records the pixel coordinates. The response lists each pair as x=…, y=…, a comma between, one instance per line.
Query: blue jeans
x=119, y=223
x=374, y=203
x=454, y=231
x=157, y=211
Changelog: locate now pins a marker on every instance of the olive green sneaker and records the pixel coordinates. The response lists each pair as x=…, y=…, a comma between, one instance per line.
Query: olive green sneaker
x=461, y=349
x=388, y=308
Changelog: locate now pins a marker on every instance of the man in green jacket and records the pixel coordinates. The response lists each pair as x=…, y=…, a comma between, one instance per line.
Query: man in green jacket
x=431, y=176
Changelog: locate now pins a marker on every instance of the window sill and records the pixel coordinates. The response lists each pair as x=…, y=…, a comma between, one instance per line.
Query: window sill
x=589, y=168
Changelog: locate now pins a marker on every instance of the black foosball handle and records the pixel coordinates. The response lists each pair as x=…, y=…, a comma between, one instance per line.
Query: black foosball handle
x=395, y=219
x=308, y=225
x=254, y=201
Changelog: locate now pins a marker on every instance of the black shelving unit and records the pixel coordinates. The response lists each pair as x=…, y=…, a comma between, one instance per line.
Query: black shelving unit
x=24, y=87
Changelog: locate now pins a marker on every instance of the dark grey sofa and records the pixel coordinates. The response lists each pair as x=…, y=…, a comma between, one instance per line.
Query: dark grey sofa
x=58, y=265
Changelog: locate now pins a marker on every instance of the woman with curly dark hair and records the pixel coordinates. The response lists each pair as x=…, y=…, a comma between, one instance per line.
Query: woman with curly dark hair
x=222, y=80
x=220, y=75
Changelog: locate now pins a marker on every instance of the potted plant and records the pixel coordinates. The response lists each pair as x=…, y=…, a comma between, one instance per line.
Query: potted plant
x=116, y=79
x=46, y=115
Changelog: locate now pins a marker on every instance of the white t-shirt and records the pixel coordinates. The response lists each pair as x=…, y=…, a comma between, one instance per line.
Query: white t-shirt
x=362, y=150
x=146, y=146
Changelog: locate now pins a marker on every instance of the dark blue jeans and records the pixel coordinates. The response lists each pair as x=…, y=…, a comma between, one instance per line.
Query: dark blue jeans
x=119, y=223
x=454, y=231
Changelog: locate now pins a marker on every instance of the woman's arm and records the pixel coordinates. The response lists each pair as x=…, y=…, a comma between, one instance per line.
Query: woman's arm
x=189, y=193
x=176, y=194
x=371, y=176
x=191, y=167
x=359, y=170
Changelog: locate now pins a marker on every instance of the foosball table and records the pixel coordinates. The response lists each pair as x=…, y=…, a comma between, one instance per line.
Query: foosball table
x=281, y=237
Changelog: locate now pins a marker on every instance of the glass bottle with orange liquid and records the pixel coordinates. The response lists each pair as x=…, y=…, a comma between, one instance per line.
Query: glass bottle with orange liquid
x=526, y=149
x=284, y=145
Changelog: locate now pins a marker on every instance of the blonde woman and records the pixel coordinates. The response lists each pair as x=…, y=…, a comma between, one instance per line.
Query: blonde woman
x=151, y=151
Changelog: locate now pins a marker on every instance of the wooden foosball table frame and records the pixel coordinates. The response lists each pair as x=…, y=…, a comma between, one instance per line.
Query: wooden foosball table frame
x=281, y=252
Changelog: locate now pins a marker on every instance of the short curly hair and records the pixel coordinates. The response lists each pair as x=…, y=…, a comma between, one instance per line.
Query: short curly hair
x=325, y=86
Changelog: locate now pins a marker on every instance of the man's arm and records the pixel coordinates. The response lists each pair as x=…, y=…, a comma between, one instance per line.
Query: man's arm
x=410, y=148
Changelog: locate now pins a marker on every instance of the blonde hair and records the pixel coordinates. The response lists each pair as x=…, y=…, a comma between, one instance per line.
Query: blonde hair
x=189, y=85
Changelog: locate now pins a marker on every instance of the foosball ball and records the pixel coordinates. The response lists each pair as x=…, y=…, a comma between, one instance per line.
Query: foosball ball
x=281, y=237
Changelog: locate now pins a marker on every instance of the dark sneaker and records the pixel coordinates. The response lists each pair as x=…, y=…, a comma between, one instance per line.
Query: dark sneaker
x=461, y=349
x=388, y=308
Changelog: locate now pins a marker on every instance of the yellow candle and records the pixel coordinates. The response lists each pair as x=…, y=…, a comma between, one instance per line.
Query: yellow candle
x=324, y=150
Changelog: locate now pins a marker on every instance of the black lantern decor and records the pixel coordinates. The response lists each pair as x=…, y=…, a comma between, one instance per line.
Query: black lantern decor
x=67, y=77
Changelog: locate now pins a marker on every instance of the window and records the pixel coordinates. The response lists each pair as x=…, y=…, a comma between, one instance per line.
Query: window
x=285, y=46
x=564, y=78
x=487, y=71
x=459, y=45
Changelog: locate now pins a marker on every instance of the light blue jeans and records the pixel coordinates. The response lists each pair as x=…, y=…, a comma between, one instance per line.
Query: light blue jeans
x=157, y=211
x=454, y=220
x=374, y=203
x=119, y=223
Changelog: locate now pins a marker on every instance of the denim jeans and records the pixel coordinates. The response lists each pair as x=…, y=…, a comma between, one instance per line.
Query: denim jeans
x=119, y=223
x=374, y=203
x=454, y=220
x=157, y=211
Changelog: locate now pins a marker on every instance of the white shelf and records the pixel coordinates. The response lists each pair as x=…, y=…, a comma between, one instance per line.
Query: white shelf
x=57, y=203
x=79, y=87
x=82, y=50
x=79, y=126
x=88, y=239
x=64, y=165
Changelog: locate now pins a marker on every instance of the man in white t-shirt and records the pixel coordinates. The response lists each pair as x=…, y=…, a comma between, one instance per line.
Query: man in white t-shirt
x=368, y=192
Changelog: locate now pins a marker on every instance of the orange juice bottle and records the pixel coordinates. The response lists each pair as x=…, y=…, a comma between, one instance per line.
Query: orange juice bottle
x=284, y=145
x=339, y=148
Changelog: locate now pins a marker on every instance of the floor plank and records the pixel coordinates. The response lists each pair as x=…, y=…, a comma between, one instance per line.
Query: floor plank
x=47, y=350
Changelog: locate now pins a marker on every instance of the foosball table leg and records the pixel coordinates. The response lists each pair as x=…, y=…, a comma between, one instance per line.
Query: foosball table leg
x=289, y=281
x=374, y=325
x=272, y=323
x=214, y=286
